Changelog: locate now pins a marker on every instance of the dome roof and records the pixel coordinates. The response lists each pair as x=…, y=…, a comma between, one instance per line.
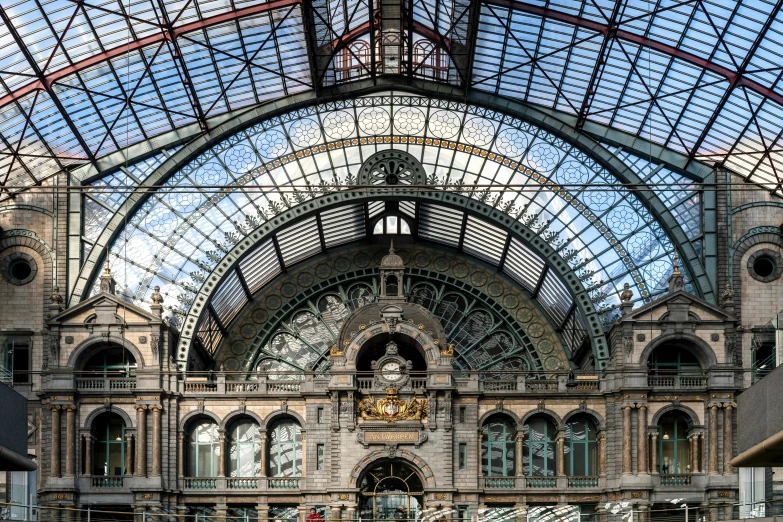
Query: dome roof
x=392, y=260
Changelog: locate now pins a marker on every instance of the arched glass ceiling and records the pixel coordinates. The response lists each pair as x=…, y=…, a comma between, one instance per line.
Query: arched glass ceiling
x=601, y=229
x=82, y=79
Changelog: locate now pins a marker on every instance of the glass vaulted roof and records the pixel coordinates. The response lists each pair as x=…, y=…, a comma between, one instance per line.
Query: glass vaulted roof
x=601, y=229
x=82, y=80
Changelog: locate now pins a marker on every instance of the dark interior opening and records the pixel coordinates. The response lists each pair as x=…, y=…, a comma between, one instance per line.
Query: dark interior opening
x=375, y=348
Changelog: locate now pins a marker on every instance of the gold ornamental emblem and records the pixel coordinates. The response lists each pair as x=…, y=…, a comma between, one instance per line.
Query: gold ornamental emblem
x=391, y=408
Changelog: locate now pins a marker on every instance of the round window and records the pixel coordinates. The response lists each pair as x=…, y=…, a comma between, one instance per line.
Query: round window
x=765, y=265
x=20, y=269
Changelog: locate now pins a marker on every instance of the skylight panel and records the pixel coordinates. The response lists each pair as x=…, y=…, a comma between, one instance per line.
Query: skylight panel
x=343, y=225
x=229, y=298
x=260, y=266
x=440, y=224
x=523, y=265
x=376, y=207
x=299, y=241
x=484, y=240
x=555, y=297
x=408, y=208
x=209, y=333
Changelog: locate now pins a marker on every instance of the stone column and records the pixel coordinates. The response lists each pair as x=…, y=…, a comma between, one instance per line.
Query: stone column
x=222, y=456
x=692, y=448
x=700, y=452
x=728, y=440
x=626, y=440
x=156, y=440
x=478, y=455
x=304, y=455
x=70, y=441
x=263, y=455
x=518, y=460
x=601, y=454
x=55, y=471
x=141, y=441
x=641, y=456
x=350, y=512
x=181, y=456
x=713, y=427
x=560, y=454
x=87, y=455
x=128, y=454
x=654, y=453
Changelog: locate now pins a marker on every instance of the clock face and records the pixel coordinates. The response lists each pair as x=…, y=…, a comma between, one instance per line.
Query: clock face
x=391, y=371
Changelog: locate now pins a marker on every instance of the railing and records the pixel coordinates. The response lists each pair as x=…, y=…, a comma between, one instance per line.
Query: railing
x=200, y=387
x=112, y=383
x=677, y=381
x=418, y=383
x=106, y=482
x=283, y=483
x=364, y=383
x=582, y=482
x=541, y=384
x=682, y=479
x=498, y=482
x=242, y=483
x=541, y=482
x=200, y=483
x=245, y=386
x=586, y=384
x=283, y=386
x=499, y=385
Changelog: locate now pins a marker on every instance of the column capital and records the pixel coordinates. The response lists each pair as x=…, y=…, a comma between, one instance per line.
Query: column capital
x=141, y=407
x=154, y=407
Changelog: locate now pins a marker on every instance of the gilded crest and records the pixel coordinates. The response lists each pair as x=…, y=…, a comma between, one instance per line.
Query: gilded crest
x=391, y=408
x=335, y=352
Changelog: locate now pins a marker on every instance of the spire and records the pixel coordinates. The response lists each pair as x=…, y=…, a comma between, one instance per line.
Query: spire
x=108, y=283
x=676, y=280
x=391, y=247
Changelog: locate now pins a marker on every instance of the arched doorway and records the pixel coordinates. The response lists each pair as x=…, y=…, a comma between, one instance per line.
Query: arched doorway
x=385, y=487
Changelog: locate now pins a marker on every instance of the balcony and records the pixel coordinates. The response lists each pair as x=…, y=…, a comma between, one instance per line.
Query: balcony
x=582, y=482
x=108, y=384
x=541, y=482
x=106, y=482
x=681, y=479
x=499, y=482
x=677, y=381
x=243, y=484
x=200, y=483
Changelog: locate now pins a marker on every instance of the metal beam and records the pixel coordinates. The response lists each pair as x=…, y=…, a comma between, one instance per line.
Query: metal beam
x=46, y=81
x=735, y=78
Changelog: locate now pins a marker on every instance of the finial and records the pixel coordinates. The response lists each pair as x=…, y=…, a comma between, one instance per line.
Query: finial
x=676, y=262
x=391, y=248
x=107, y=271
x=156, y=297
x=626, y=294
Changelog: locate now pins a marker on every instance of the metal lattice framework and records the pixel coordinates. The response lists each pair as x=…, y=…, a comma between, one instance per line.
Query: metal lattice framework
x=80, y=80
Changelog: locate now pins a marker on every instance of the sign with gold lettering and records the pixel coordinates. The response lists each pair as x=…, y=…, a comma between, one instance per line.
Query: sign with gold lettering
x=391, y=436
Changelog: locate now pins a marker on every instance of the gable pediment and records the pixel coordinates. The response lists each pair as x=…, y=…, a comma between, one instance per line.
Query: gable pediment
x=103, y=309
x=678, y=306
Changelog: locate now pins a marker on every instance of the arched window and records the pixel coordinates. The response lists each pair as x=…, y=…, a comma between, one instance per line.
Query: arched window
x=392, y=225
x=581, y=448
x=245, y=449
x=109, y=447
x=673, y=448
x=498, y=436
x=391, y=286
x=113, y=361
x=285, y=449
x=538, y=455
x=668, y=360
x=203, y=450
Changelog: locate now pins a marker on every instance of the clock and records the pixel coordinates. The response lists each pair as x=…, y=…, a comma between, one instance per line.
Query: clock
x=391, y=371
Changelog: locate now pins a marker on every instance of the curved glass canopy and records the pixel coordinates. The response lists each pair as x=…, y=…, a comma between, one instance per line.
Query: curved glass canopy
x=602, y=230
x=82, y=80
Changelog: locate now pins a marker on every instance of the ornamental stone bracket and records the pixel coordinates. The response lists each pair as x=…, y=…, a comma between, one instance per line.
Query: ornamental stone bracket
x=391, y=436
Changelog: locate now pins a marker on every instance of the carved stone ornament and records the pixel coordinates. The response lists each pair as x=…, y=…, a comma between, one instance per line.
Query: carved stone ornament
x=54, y=349
x=154, y=345
x=448, y=351
x=392, y=409
x=628, y=344
x=334, y=351
x=68, y=339
x=714, y=337
x=142, y=339
x=641, y=337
